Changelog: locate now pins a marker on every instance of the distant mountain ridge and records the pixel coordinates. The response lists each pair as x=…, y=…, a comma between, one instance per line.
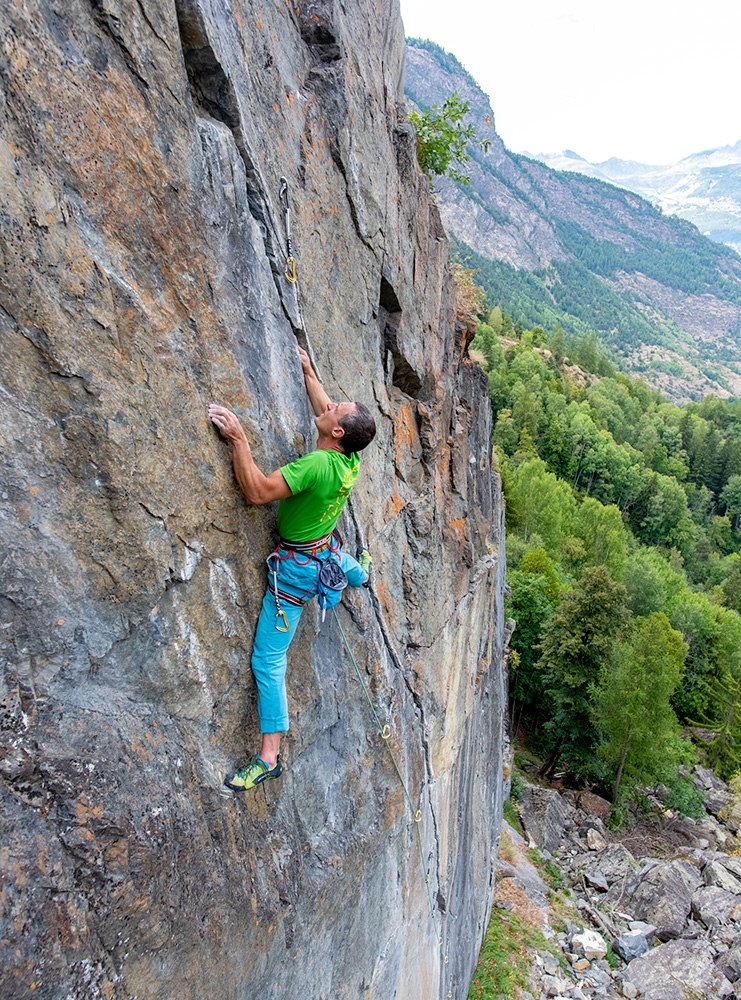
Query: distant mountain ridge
x=704, y=188
x=560, y=247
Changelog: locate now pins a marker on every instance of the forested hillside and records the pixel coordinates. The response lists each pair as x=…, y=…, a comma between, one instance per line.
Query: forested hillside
x=704, y=187
x=624, y=555
x=555, y=247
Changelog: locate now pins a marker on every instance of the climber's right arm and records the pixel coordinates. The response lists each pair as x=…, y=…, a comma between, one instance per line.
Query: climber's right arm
x=256, y=486
x=315, y=390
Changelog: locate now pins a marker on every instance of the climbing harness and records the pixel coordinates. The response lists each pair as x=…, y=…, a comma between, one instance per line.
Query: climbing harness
x=290, y=271
x=330, y=579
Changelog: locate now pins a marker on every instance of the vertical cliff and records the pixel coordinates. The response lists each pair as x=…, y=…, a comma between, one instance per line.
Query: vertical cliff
x=142, y=144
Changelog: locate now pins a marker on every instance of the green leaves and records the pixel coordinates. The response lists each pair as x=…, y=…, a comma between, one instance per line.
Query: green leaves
x=632, y=707
x=442, y=138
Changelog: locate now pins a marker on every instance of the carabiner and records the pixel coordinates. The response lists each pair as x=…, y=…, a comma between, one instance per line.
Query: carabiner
x=283, y=194
x=281, y=614
x=290, y=263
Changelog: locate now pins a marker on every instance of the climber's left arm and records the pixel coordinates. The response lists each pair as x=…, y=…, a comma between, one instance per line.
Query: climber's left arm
x=256, y=486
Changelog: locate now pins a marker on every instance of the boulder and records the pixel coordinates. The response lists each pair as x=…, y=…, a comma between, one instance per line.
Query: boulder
x=660, y=893
x=714, y=905
x=705, y=778
x=640, y=925
x=716, y=873
x=595, y=841
x=593, y=805
x=630, y=945
x=729, y=964
x=673, y=970
x=590, y=944
x=613, y=864
x=732, y=865
x=718, y=803
x=597, y=880
x=544, y=815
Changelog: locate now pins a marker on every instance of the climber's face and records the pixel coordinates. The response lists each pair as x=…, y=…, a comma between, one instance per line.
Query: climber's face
x=328, y=423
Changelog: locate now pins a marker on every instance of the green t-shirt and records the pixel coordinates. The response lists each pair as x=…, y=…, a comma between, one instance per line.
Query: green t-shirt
x=321, y=483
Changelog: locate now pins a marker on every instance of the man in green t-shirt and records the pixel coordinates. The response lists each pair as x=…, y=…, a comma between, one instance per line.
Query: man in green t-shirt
x=312, y=492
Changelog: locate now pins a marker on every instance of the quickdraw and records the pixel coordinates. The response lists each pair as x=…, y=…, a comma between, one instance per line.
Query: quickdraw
x=290, y=273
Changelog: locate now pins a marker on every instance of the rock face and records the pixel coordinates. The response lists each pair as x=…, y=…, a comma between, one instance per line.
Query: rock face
x=142, y=148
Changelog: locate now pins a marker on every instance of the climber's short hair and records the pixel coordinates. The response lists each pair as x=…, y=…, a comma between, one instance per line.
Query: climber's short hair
x=359, y=427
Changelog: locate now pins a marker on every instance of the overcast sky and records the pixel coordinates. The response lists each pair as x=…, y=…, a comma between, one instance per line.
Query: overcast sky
x=647, y=80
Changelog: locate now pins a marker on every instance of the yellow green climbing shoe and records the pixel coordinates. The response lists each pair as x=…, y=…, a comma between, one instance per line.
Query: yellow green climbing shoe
x=252, y=774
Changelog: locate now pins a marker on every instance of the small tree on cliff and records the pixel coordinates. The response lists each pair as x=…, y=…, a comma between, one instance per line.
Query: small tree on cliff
x=577, y=642
x=442, y=138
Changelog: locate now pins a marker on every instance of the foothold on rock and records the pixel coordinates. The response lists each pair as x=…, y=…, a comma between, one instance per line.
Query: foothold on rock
x=629, y=990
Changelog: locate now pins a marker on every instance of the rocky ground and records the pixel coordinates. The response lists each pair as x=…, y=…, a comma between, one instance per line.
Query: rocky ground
x=664, y=927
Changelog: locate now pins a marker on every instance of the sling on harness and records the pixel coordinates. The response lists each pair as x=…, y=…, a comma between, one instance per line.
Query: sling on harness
x=331, y=579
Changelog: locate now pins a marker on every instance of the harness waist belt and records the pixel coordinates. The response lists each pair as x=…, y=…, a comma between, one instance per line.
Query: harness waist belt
x=317, y=543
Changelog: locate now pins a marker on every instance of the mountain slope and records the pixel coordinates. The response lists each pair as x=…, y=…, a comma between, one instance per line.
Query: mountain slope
x=561, y=247
x=704, y=188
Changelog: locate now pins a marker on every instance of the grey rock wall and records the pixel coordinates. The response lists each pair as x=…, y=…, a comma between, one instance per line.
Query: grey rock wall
x=141, y=150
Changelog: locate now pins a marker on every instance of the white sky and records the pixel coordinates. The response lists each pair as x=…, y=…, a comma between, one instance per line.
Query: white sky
x=647, y=80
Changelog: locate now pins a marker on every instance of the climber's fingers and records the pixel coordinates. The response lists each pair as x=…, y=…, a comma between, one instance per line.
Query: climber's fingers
x=226, y=421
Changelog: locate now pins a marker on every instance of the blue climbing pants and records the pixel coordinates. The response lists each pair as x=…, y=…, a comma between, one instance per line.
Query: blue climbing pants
x=298, y=575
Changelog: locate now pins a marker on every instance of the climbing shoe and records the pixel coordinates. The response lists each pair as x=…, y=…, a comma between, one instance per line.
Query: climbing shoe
x=365, y=562
x=252, y=774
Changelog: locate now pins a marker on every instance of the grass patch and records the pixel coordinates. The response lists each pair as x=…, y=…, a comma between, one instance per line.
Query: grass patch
x=526, y=761
x=548, y=869
x=509, y=811
x=503, y=964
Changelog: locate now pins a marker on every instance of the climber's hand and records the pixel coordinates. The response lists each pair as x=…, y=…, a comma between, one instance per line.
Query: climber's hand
x=305, y=363
x=227, y=423
x=365, y=561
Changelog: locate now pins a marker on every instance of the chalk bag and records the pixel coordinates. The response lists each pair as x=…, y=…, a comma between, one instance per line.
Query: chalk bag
x=332, y=581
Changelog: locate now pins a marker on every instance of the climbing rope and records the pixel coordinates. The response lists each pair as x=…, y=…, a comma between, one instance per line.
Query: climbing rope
x=385, y=731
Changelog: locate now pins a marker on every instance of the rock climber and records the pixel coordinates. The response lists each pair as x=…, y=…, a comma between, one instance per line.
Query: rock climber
x=312, y=492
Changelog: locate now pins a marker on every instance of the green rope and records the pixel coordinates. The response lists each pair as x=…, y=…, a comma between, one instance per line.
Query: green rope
x=416, y=813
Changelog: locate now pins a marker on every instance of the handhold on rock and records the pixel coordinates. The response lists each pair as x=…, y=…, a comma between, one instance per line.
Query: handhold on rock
x=630, y=990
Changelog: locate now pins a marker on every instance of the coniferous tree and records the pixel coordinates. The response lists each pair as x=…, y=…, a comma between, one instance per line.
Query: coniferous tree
x=577, y=644
x=632, y=705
